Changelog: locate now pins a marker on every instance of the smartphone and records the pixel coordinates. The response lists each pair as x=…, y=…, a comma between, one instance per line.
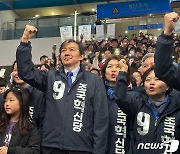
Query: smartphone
x=54, y=47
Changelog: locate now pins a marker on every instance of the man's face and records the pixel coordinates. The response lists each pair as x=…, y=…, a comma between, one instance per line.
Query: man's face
x=138, y=54
x=107, y=54
x=114, y=44
x=44, y=60
x=2, y=89
x=149, y=62
x=125, y=42
x=70, y=55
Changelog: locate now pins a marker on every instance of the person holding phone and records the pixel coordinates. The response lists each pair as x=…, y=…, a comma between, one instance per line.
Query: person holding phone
x=164, y=67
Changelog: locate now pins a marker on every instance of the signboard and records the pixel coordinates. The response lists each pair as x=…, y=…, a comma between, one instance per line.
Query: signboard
x=111, y=30
x=66, y=33
x=143, y=27
x=85, y=30
x=99, y=32
x=132, y=8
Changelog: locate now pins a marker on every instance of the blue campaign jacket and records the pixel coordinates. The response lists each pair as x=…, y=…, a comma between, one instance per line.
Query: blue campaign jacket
x=164, y=67
x=37, y=106
x=118, y=132
x=76, y=118
x=150, y=136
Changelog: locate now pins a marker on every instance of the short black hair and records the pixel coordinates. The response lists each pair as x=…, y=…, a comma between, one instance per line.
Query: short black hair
x=95, y=69
x=46, y=66
x=43, y=56
x=81, y=49
x=114, y=40
x=3, y=82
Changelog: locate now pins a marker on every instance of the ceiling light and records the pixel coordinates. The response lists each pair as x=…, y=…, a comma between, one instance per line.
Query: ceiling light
x=37, y=15
x=93, y=9
x=126, y=32
x=52, y=13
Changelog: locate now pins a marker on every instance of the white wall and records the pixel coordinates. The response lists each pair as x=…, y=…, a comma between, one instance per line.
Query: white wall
x=40, y=46
x=7, y=16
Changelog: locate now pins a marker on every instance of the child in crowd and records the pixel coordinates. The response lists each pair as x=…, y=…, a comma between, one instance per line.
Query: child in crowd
x=18, y=134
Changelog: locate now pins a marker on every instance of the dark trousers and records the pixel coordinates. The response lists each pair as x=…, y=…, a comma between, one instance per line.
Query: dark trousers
x=46, y=150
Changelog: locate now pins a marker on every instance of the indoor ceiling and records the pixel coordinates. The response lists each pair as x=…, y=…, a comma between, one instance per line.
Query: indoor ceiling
x=57, y=10
x=32, y=8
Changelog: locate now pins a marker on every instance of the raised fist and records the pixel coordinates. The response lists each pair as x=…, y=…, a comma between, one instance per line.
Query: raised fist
x=170, y=21
x=123, y=66
x=29, y=32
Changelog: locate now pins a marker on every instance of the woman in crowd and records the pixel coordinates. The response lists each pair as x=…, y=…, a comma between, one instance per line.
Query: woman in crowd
x=117, y=135
x=155, y=113
x=37, y=98
x=18, y=134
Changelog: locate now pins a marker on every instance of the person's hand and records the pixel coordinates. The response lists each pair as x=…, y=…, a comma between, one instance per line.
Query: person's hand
x=123, y=66
x=81, y=37
x=29, y=32
x=170, y=21
x=131, y=60
x=54, y=47
x=3, y=150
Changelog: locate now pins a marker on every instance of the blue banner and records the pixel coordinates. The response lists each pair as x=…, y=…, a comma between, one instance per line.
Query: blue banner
x=143, y=27
x=132, y=8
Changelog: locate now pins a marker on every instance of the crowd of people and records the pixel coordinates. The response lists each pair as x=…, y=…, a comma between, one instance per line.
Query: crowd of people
x=115, y=96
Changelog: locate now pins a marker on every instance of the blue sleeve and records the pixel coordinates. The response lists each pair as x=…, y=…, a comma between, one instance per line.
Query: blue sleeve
x=26, y=70
x=101, y=119
x=165, y=70
x=127, y=101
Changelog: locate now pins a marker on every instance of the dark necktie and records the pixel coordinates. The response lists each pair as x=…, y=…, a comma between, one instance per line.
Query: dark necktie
x=69, y=74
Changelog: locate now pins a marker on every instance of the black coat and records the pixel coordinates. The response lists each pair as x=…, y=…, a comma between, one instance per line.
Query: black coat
x=27, y=144
x=150, y=135
x=76, y=118
x=1, y=103
x=164, y=67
